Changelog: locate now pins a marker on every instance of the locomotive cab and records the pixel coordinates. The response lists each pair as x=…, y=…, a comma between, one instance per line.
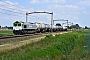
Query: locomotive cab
x=17, y=27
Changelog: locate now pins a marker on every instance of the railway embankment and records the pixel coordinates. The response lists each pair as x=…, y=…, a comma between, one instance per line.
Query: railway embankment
x=11, y=43
x=53, y=47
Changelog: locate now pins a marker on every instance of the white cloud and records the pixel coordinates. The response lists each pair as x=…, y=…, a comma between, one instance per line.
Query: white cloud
x=86, y=12
x=13, y=7
x=15, y=3
x=64, y=8
x=34, y=1
x=70, y=12
x=68, y=16
x=59, y=1
x=11, y=11
x=47, y=1
x=60, y=8
x=85, y=2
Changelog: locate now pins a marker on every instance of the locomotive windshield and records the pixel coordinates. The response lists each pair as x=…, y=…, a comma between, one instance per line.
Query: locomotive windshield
x=17, y=23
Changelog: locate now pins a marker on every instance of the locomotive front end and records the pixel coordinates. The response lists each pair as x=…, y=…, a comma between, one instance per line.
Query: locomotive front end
x=17, y=28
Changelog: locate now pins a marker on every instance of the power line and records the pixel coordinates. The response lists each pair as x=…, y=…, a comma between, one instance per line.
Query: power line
x=11, y=14
x=15, y=15
x=12, y=5
x=19, y=13
x=11, y=8
x=39, y=17
x=12, y=11
x=16, y=9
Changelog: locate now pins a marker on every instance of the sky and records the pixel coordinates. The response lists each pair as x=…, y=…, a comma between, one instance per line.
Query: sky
x=75, y=11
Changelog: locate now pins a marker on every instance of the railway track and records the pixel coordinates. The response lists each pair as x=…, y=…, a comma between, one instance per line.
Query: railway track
x=4, y=39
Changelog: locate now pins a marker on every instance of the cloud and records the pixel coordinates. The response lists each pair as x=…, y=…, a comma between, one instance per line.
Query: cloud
x=13, y=8
x=47, y=1
x=85, y=12
x=70, y=17
x=15, y=3
x=70, y=12
x=60, y=8
x=85, y=2
x=11, y=11
x=34, y=1
x=65, y=8
x=59, y=1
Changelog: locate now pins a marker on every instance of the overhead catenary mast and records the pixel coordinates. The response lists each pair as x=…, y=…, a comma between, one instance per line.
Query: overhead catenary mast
x=60, y=20
x=42, y=12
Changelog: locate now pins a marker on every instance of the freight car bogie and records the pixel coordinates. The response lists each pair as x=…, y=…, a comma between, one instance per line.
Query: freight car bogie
x=64, y=29
x=29, y=31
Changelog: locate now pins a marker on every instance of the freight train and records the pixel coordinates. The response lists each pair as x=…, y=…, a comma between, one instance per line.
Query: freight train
x=20, y=28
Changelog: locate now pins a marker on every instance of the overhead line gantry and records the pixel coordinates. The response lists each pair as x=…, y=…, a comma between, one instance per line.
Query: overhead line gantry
x=60, y=20
x=42, y=12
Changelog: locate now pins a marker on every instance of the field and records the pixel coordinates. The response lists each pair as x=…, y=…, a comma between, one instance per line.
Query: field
x=87, y=40
x=6, y=32
x=59, y=47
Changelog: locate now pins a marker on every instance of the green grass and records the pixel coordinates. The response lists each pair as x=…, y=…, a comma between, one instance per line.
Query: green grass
x=51, y=48
x=87, y=39
x=6, y=32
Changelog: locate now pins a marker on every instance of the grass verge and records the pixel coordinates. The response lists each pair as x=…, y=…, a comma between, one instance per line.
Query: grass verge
x=50, y=48
x=6, y=32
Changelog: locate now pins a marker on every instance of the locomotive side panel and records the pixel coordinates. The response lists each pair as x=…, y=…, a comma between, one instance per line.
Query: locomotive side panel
x=29, y=27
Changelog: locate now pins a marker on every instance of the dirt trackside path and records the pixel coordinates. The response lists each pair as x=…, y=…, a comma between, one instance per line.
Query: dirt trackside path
x=21, y=43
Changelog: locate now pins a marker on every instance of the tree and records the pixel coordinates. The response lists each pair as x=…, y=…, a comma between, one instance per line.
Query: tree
x=10, y=27
x=86, y=27
x=5, y=26
x=76, y=26
x=72, y=26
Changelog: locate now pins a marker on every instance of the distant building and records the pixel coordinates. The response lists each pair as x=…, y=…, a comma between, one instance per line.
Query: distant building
x=3, y=28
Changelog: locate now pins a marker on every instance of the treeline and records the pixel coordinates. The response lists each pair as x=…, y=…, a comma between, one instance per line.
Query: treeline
x=76, y=26
x=7, y=27
x=86, y=27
